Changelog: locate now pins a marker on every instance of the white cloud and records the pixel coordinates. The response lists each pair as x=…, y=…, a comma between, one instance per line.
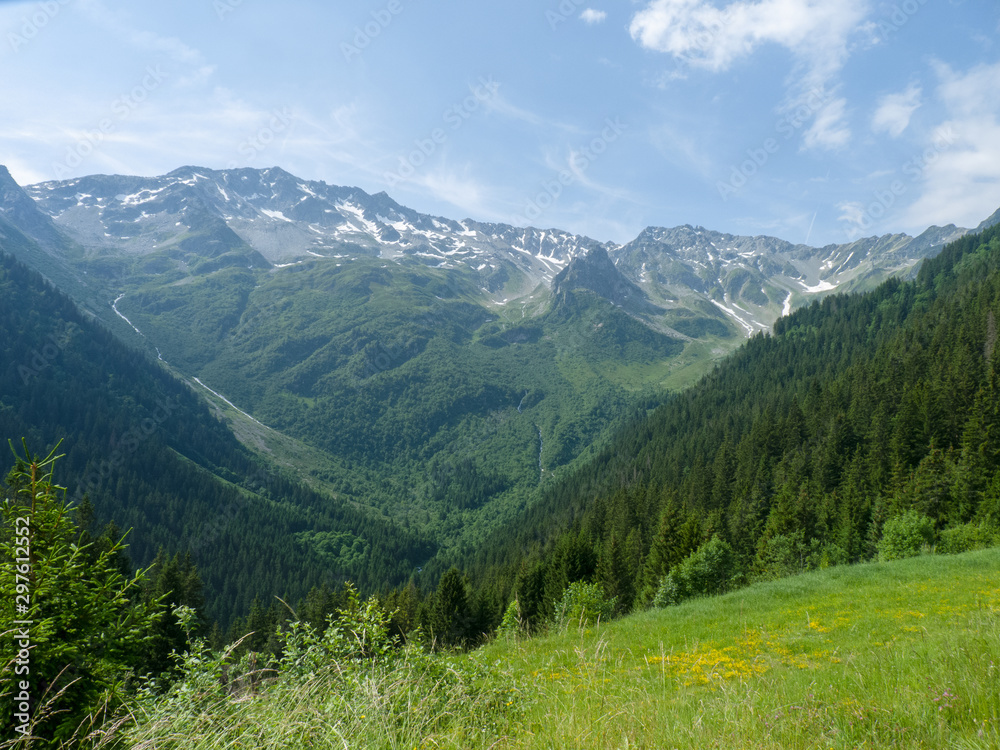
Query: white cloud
x=714, y=38
x=592, y=16
x=895, y=110
x=816, y=32
x=959, y=169
x=457, y=188
x=854, y=215
x=828, y=129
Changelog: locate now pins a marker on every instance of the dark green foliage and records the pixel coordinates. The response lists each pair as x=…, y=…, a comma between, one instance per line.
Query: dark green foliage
x=905, y=535
x=146, y=452
x=802, y=449
x=73, y=624
x=787, y=554
x=615, y=576
x=172, y=582
x=698, y=327
x=711, y=569
x=463, y=485
x=449, y=621
x=967, y=538
x=675, y=539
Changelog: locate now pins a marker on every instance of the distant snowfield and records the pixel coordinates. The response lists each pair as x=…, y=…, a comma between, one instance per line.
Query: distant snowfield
x=823, y=286
x=276, y=215
x=732, y=313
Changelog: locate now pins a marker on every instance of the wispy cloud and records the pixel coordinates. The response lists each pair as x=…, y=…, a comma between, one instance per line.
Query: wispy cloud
x=816, y=32
x=895, y=110
x=171, y=47
x=500, y=105
x=592, y=16
x=459, y=188
x=829, y=129
x=960, y=183
x=853, y=214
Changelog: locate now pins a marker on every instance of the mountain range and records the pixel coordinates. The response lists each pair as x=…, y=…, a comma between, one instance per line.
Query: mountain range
x=270, y=219
x=436, y=375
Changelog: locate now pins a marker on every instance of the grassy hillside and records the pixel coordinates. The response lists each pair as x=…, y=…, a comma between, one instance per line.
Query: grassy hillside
x=896, y=655
x=415, y=398
x=903, y=654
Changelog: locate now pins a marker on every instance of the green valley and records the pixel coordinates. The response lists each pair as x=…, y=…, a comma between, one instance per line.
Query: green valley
x=354, y=466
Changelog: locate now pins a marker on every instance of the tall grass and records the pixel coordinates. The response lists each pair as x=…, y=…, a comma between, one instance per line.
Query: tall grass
x=417, y=700
x=892, y=655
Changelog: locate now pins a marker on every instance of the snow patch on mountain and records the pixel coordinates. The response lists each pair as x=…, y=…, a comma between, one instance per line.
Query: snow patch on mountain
x=287, y=220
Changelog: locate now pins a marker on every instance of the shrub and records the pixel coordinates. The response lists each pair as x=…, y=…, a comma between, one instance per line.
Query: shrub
x=967, y=538
x=583, y=604
x=905, y=535
x=512, y=625
x=710, y=569
x=360, y=631
x=353, y=686
x=789, y=554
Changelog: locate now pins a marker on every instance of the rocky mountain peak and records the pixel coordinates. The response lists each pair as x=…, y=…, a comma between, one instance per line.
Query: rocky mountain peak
x=596, y=272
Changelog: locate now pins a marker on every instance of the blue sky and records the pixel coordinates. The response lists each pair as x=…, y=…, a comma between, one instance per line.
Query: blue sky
x=816, y=121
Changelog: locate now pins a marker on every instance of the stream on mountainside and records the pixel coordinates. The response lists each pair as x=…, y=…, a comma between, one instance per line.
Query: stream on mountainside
x=541, y=444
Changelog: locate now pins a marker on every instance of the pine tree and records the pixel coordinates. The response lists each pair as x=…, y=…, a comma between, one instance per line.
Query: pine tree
x=173, y=582
x=86, y=626
x=449, y=613
x=613, y=575
x=665, y=551
x=529, y=589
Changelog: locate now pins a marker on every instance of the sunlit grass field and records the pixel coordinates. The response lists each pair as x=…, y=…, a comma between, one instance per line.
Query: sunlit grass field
x=897, y=655
x=900, y=655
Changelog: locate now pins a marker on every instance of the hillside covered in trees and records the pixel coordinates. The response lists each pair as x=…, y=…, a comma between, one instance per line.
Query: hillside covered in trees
x=150, y=457
x=794, y=453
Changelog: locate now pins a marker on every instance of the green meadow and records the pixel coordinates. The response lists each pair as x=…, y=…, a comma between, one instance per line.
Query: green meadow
x=884, y=655
x=896, y=655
